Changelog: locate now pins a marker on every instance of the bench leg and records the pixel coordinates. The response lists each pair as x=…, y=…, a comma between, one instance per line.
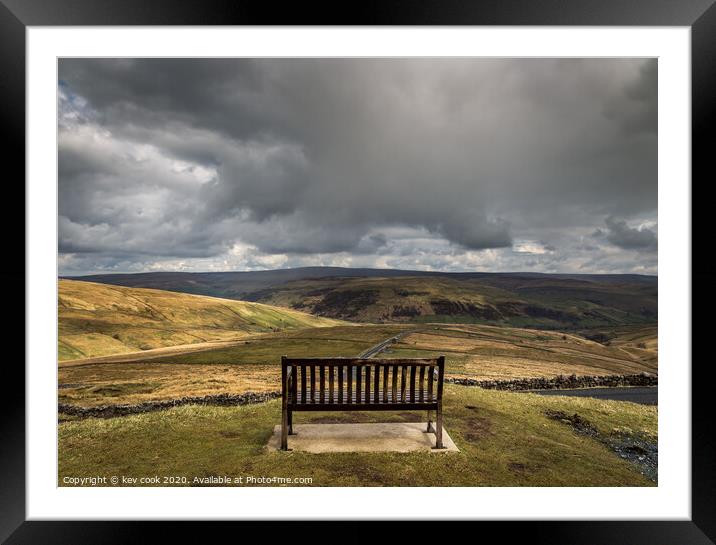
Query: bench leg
x=284, y=429
x=429, y=428
x=439, y=428
x=290, y=423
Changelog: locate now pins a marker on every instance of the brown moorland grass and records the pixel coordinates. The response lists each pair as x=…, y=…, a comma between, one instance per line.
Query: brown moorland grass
x=640, y=342
x=488, y=352
x=253, y=364
x=132, y=383
x=100, y=320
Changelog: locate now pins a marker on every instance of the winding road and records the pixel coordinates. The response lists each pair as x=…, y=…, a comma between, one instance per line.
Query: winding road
x=382, y=345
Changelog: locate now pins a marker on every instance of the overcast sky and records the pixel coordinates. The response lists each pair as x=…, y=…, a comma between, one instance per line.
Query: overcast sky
x=435, y=164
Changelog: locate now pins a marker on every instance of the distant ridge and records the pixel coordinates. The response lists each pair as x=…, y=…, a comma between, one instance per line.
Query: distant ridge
x=522, y=299
x=255, y=280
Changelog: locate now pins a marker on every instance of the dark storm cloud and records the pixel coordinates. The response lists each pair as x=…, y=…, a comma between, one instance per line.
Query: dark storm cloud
x=639, y=238
x=636, y=109
x=190, y=157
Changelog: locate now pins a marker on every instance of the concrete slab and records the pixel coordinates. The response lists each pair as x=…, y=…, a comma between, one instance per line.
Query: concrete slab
x=370, y=437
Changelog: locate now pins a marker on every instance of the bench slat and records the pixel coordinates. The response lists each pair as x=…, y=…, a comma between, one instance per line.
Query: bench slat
x=341, y=370
x=395, y=381
x=322, y=375
x=349, y=378
x=388, y=396
x=330, y=384
x=431, y=376
x=294, y=381
x=367, y=383
x=421, y=387
x=367, y=407
x=403, y=379
x=303, y=384
x=376, y=385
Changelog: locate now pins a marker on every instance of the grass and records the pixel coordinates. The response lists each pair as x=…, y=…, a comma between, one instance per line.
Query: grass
x=481, y=352
x=504, y=438
x=100, y=320
x=110, y=384
x=640, y=342
x=488, y=352
x=251, y=366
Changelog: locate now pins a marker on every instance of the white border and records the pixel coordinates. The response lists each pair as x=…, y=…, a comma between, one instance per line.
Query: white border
x=671, y=499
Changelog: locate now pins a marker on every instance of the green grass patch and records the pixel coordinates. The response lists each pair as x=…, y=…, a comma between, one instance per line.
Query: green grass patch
x=504, y=438
x=341, y=341
x=270, y=350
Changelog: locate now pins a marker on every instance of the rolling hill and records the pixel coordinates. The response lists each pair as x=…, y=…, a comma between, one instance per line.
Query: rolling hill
x=531, y=302
x=547, y=301
x=98, y=319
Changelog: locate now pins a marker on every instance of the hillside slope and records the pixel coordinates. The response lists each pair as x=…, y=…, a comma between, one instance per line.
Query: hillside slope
x=542, y=302
x=98, y=319
x=551, y=301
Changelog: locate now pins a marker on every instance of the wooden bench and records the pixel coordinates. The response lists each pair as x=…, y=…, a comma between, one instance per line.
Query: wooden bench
x=355, y=384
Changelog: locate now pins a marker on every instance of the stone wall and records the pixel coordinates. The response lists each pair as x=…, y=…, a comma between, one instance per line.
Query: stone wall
x=109, y=411
x=560, y=382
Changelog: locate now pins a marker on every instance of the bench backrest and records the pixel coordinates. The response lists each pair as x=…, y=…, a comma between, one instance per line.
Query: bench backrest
x=346, y=381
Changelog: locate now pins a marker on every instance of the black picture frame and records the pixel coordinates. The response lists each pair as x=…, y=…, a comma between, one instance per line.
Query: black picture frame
x=699, y=15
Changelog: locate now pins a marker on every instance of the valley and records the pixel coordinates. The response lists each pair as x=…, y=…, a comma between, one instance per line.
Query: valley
x=127, y=348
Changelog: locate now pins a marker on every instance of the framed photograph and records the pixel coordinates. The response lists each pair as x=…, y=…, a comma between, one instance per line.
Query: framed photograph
x=426, y=262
